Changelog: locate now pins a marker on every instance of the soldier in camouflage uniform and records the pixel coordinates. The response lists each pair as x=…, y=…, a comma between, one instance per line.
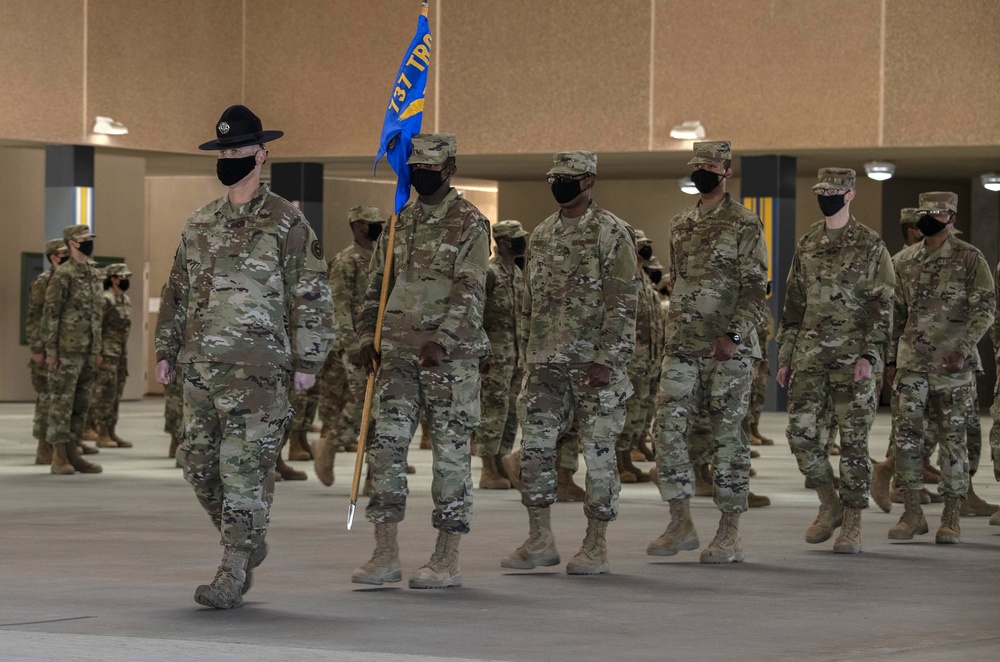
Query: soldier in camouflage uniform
x=71, y=323
x=433, y=343
x=502, y=375
x=111, y=374
x=718, y=270
x=834, y=329
x=995, y=407
x=762, y=372
x=349, y=282
x=945, y=302
x=578, y=322
x=247, y=312
x=56, y=253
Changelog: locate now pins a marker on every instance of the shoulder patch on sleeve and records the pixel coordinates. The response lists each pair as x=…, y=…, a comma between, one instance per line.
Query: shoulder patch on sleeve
x=317, y=249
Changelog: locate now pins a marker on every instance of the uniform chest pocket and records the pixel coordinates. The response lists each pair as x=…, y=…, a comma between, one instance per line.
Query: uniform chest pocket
x=248, y=250
x=721, y=245
x=434, y=246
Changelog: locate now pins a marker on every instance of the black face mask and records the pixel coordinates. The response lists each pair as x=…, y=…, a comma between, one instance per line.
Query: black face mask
x=86, y=247
x=232, y=171
x=374, y=231
x=123, y=284
x=565, y=192
x=656, y=276
x=426, y=182
x=519, y=262
x=930, y=226
x=518, y=245
x=830, y=204
x=63, y=259
x=706, y=181
x=646, y=252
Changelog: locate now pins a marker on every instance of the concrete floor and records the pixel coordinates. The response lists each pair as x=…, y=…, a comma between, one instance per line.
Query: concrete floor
x=104, y=568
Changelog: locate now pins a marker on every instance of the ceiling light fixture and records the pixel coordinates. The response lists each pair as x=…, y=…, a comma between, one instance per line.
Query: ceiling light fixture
x=880, y=170
x=107, y=126
x=689, y=130
x=687, y=186
x=991, y=181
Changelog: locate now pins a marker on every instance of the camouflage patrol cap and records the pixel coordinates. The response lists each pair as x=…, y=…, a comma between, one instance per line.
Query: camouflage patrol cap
x=835, y=179
x=577, y=162
x=908, y=216
x=936, y=201
x=641, y=239
x=117, y=269
x=53, y=246
x=78, y=233
x=433, y=148
x=508, y=230
x=653, y=264
x=712, y=152
x=366, y=214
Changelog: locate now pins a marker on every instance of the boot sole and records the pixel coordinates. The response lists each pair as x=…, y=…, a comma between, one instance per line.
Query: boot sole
x=517, y=564
x=451, y=582
x=846, y=549
x=205, y=597
x=827, y=536
x=720, y=560
x=602, y=569
x=947, y=540
x=369, y=580
x=671, y=551
x=903, y=536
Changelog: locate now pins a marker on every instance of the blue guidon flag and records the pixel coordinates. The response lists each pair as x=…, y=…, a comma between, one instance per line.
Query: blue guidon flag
x=406, y=109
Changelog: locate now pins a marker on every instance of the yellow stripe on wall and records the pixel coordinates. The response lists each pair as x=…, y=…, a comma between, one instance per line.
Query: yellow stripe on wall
x=764, y=208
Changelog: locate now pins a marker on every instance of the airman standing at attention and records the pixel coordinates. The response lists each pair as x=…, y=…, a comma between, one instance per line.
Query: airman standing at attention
x=56, y=253
x=579, y=334
x=718, y=271
x=115, y=327
x=834, y=330
x=945, y=302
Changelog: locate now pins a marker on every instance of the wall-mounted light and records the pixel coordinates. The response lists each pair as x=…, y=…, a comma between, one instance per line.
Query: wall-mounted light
x=687, y=186
x=107, y=126
x=991, y=181
x=689, y=130
x=880, y=170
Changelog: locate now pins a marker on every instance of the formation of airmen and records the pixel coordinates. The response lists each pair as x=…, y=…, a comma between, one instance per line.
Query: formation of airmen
x=576, y=334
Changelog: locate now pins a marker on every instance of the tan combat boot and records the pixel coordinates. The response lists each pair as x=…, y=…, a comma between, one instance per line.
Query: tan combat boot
x=43, y=453
x=61, y=465
x=323, y=460
x=592, y=559
x=257, y=557
x=881, y=477
x=566, y=489
x=755, y=435
x=80, y=464
x=757, y=500
x=118, y=440
x=830, y=516
x=949, y=533
x=490, y=478
x=511, y=464
x=174, y=445
x=726, y=547
x=383, y=566
x=995, y=519
x=539, y=548
x=624, y=475
x=849, y=540
x=442, y=570
x=90, y=434
x=425, y=437
x=625, y=466
x=680, y=534
x=104, y=439
x=287, y=472
x=931, y=473
x=703, y=486
x=226, y=590
x=912, y=522
x=298, y=447
x=87, y=450
x=974, y=506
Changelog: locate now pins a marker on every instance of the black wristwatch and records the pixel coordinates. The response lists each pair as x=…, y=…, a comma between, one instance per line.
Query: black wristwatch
x=735, y=337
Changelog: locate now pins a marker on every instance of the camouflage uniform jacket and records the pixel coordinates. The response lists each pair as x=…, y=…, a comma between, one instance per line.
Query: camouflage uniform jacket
x=348, y=282
x=648, y=328
x=438, y=282
x=838, y=305
x=117, y=324
x=580, y=297
x=718, y=265
x=36, y=302
x=71, y=317
x=248, y=287
x=502, y=313
x=945, y=302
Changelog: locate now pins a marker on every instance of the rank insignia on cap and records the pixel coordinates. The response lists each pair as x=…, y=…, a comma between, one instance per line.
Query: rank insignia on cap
x=317, y=249
x=223, y=128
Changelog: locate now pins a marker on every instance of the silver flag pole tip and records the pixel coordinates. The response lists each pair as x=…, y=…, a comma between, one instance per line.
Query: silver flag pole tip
x=350, y=515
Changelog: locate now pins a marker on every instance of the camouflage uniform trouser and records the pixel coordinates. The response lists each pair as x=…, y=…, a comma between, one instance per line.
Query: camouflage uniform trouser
x=688, y=383
x=636, y=408
x=757, y=391
x=943, y=400
x=498, y=429
x=995, y=429
x=973, y=432
x=304, y=407
x=449, y=394
x=40, y=382
x=234, y=417
x=69, y=397
x=347, y=426
x=568, y=448
x=173, y=405
x=551, y=394
x=334, y=391
x=108, y=390
x=852, y=405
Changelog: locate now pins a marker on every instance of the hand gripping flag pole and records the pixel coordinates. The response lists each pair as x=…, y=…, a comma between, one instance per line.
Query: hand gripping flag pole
x=402, y=121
